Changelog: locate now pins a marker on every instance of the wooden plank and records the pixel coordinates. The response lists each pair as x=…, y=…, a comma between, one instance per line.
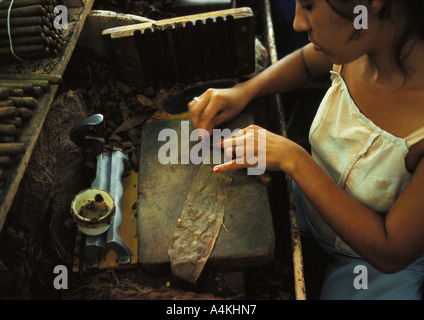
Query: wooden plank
x=127, y=31
x=32, y=129
x=299, y=280
x=99, y=20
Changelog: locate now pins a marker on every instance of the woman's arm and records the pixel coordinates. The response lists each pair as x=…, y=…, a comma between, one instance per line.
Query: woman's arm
x=219, y=105
x=389, y=244
x=289, y=73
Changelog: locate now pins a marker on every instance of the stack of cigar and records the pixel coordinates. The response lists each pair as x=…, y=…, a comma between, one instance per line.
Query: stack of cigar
x=18, y=101
x=31, y=30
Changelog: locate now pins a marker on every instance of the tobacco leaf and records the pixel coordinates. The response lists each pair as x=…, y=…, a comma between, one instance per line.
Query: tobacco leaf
x=133, y=122
x=199, y=224
x=125, y=111
x=144, y=101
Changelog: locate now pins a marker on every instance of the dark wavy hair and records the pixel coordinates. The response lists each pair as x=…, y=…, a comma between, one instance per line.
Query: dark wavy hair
x=414, y=13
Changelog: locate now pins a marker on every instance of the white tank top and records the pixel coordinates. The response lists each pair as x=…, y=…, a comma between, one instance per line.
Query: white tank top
x=367, y=162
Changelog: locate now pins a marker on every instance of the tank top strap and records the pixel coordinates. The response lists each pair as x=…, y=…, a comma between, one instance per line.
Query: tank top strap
x=414, y=137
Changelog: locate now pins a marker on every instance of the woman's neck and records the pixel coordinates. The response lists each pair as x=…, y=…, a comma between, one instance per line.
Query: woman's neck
x=381, y=66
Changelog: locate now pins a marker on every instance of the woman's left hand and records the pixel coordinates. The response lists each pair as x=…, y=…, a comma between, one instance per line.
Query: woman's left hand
x=255, y=147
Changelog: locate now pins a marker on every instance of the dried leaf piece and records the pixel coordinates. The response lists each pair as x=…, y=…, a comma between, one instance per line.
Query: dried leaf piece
x=199, y=223
x=133, y=122
x=122, y=87
x=145, y=101
x=125, y=111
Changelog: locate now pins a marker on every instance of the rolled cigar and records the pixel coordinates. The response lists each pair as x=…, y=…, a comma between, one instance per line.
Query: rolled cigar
x=24, y=102
x=7, y=138
x=21, y=3
x=55, y=35
x=47, y=31
x=53, y=79
x=50, y=42
x=12, y=148
x=61, y=42
x=37, y=91
x=7, y=129
x=6, y=103
x=43, y=84
x=29, y=52
x=24, y=113
x=15, y=92
x=22, y=50
x=5, y=160
x=7, y=112
x=4, y=93
x=54, y=53
x=27, y=87
x=47, y=41
x=15, y=121
x=48, y=23
x=50, y=16
x=18, y=133
x=15, y=84
x=21, y=41
x=23, y=21
x=20, y=31
x=24, y=11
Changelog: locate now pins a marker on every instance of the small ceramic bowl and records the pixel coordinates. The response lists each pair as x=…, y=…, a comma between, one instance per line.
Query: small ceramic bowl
x=92, y=210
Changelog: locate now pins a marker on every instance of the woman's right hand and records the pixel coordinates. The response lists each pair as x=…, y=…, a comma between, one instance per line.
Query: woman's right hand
x=217, y=106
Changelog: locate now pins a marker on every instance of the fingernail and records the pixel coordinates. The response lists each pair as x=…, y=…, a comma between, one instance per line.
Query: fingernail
x=215, y=169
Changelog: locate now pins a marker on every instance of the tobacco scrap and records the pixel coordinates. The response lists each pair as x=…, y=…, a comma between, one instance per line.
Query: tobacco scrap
x=199, y=224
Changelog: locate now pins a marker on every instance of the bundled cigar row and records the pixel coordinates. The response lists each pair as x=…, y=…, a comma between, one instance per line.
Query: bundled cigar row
x=31, y=30
x=18, y=101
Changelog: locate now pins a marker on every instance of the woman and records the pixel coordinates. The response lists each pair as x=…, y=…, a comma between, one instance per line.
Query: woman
x=361, y=191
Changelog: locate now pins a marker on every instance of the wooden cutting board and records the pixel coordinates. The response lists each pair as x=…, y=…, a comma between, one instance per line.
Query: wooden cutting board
x=247, y=237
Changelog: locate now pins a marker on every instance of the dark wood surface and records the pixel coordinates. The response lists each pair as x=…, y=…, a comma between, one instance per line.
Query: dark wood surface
x=247, y=237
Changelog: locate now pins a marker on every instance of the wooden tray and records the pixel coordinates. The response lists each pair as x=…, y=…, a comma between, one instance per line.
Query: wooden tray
x=32, y=129
x=206, y=46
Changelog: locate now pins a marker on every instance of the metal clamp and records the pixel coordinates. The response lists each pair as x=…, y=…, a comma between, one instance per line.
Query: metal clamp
x=109, y=168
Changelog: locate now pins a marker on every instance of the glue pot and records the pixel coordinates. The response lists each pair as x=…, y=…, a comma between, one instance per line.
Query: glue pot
x=92, y=210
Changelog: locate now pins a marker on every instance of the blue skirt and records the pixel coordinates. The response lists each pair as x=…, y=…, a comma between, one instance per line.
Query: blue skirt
x=349, y=277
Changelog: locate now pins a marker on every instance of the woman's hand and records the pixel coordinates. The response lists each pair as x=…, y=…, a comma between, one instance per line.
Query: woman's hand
x=255, y=147
x=216, y=106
